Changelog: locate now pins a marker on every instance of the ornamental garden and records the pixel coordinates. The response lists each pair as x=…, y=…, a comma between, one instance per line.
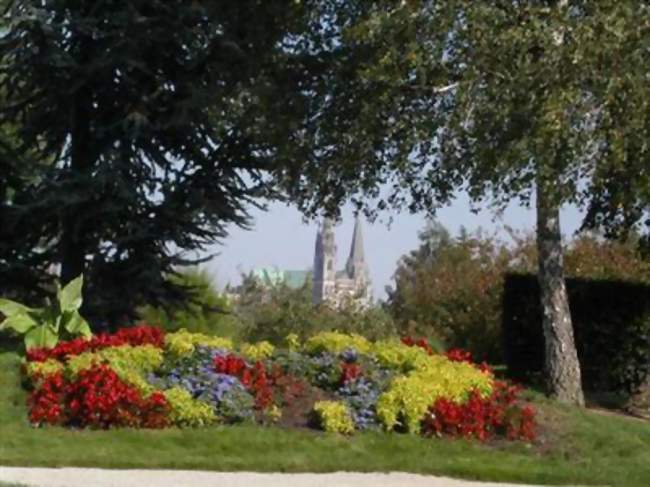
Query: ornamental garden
x=142, y=377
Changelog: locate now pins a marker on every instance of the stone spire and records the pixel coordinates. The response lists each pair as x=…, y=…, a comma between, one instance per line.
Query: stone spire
x=356, y=265
x=324, y=273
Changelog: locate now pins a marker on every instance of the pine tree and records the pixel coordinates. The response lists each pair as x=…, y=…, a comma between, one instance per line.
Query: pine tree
x=161, y=120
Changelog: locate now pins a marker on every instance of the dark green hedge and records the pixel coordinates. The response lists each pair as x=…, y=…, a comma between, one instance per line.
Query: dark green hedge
x=611, y=321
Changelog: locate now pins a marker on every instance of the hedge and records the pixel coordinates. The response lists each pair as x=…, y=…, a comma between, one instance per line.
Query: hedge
x=611, y=322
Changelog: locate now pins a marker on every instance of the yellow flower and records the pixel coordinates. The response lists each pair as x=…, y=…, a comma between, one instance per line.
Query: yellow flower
x=409, y=396
x=182, y=342
x=187, y=411
x=335, y=342
x=257, y=351
x=292, y=341
x=334, y=417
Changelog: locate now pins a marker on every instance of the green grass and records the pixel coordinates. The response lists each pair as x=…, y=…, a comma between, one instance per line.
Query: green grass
x=580, y=448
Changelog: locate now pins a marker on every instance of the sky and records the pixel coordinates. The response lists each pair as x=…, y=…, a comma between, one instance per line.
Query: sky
x=279, y=237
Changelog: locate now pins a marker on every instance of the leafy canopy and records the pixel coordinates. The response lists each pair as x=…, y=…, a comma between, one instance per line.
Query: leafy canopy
x=428, y=97
x=163, y=120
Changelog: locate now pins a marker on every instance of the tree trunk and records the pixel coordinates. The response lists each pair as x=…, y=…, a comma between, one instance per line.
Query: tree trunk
x=72, y=246
x=562, y=366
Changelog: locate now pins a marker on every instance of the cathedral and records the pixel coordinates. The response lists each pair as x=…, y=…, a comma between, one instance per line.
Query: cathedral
x=350, y=285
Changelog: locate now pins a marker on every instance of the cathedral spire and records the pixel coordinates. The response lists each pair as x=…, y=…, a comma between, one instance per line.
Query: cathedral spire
x=356, y=261
x=324, y=272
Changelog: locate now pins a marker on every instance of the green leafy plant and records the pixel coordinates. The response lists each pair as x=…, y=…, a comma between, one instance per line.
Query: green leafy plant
x=42, y=327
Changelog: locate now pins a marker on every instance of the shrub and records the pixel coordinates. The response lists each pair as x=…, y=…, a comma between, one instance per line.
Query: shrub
x=196, y=374
x=334, y=417
x=361, y=396
x=206, y=310
x=43, y=369
x=482, y=417
x=96, y=398
x=134, y=336
x=257, y=351
x=336, y=342
x=143, y=359
x=409, y=396
x=452, y=288
x=183, y=342
x=399, y=356
x=187, y=411
x=254, y=378
x=292, y=341
x=272, y=314
x=391, y=383
x=611, y=321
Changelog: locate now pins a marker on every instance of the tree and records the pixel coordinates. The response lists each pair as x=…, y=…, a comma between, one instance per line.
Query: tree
x=506, y=100
x=273, y=312
x=208, y=311
x=161, y=119
x=452, y=288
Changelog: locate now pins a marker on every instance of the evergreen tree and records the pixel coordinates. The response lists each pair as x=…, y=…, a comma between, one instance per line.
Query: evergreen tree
x=161, y=119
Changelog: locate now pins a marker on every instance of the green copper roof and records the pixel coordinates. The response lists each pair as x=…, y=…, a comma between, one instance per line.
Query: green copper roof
x=272, y=276
x=295, y=279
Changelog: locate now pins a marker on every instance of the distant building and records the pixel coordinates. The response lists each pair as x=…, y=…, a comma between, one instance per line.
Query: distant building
x=272, y=277
x=329, y=286
x=351, y=285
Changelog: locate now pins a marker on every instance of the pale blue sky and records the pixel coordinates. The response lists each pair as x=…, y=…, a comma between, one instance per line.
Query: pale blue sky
x=280, y=238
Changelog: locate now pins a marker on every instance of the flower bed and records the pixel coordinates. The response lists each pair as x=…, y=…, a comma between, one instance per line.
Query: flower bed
x=139, y=377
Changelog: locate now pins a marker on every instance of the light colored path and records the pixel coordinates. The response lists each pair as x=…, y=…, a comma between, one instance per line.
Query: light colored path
x=95, y=477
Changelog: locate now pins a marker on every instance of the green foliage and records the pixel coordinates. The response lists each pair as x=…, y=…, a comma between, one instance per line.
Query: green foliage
x=336, y=342
x=182, y=342
x=125, y=358
x=588, y=256
x=334, y=417
x=451, y=288
x=393, y=354
x=611, y=323
x=48, y=367
x=256, y=351
x=408, y=397
x=206, y=310
x=273, y=314
x=161, y=141
x=187, y=411
x=42, y=327
x=489, y=97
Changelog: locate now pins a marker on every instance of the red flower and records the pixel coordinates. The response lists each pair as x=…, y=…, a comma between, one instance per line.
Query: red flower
x=420, y=342
x=349, y=372
x=482, y=418
x=459, y=355
x=262, y=383
x=253, y=378
x=96, y=398
x=135, y=336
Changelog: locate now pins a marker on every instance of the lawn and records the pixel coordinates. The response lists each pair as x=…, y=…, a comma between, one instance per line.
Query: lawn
x=579, y=447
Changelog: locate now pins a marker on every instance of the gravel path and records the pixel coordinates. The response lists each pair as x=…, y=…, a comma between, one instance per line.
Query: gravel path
x=95, y=477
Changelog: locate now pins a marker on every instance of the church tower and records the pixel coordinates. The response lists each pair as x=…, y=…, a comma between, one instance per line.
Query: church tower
x=356, y=267
x=324, y=279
